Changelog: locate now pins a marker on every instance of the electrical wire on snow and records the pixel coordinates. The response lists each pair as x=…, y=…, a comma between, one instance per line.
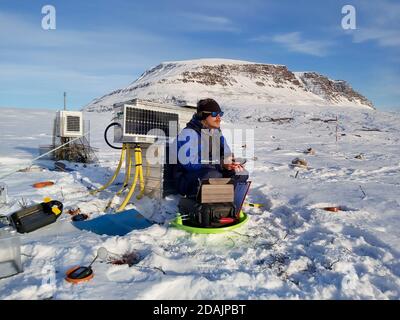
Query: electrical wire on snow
x=41, y=156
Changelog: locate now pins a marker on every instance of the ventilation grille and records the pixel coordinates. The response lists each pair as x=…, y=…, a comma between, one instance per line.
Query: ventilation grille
x=140, y=121
x=73, y=124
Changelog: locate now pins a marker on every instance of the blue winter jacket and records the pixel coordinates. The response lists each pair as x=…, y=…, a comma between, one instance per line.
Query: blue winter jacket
x=192, y=147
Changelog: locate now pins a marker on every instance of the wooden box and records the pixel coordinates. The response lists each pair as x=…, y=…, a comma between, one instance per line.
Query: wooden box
x=217, y=191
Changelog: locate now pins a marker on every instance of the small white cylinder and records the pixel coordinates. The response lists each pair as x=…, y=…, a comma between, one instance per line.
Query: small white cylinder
x=3, y=193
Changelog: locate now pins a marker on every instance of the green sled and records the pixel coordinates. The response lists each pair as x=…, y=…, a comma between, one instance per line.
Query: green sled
x=178, y=223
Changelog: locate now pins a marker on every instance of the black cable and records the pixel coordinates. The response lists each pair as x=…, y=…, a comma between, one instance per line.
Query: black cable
x=105, y=135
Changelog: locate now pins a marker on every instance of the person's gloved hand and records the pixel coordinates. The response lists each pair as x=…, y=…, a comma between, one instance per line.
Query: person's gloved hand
x=231, y=164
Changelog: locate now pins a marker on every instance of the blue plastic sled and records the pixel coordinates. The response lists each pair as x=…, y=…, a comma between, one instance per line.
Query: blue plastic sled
x=115, y=224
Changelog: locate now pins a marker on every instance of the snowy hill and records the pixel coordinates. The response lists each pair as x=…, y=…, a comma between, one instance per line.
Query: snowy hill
x=233, y=83
x=290, y=248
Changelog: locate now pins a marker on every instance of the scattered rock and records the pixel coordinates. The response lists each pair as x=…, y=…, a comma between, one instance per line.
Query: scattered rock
x=32, y=169
x=79, y=217
x=332, y=209
x=310, y=151
x=371, y=129
x=279, y=120
x=129, y=258
x=359, y=156
x=60, y=166
x=74, y=212
x=300, y=162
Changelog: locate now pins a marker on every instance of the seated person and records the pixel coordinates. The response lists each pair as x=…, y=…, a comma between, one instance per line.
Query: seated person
x=203, y=152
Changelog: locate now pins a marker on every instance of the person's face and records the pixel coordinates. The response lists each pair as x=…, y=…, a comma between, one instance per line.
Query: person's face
x=213, y=122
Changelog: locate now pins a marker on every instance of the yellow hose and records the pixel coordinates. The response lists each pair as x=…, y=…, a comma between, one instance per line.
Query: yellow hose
x=127, y=171
x=121, y=159
x=138, y=175
x=138, y=164
x=126, y=180
x=141, y=179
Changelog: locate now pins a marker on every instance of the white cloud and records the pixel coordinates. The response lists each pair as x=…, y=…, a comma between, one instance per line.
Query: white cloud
x=15, y=31
x=384, y=37
x=91, y=61
x=379, y=22
x=42, y=77
x=200, y=22
x=295, y=42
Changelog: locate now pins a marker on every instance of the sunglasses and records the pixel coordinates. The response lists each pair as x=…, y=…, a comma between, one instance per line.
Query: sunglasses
x=214, y=113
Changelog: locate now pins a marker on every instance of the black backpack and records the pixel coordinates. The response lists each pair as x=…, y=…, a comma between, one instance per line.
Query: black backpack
x=206, y=215
x=36, y=216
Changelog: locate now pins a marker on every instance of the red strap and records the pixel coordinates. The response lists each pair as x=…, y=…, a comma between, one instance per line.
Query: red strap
x=227, y=220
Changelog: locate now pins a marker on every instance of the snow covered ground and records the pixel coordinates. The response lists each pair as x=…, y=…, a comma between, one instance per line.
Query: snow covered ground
x=290, y=249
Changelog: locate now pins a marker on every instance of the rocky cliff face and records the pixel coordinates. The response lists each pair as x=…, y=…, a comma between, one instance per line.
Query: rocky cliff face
x=334, y=91
x=233, y=83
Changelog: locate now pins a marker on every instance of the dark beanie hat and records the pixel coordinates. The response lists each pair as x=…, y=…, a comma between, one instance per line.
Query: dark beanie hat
x=207, y=105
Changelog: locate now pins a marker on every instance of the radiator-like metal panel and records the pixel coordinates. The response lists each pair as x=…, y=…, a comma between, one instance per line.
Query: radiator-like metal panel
x=69, y=124
x=73, y=124
x=144, y=122
x=141, y=121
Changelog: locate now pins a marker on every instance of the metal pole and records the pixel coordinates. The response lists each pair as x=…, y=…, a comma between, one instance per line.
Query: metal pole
x=65, y=101
x=337, y=124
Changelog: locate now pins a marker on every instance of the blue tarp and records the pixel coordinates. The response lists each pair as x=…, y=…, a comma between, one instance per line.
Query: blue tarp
x=115, y=224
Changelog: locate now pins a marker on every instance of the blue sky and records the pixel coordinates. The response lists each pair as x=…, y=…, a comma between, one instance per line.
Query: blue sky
x=102, y=45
